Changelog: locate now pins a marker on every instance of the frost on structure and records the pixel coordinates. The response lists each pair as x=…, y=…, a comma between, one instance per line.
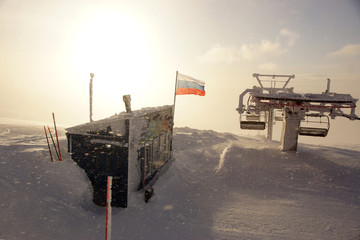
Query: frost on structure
x=133, y=147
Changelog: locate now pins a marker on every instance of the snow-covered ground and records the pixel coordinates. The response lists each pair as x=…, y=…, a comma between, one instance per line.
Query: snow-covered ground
x=221, y=186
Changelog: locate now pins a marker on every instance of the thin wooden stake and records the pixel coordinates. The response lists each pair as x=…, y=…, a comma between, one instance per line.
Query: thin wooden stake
x=47, y=139
x=53, y=143
x=57, y=139
x=108, y=209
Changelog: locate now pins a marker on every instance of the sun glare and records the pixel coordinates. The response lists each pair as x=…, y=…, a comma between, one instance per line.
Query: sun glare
x=114, y=47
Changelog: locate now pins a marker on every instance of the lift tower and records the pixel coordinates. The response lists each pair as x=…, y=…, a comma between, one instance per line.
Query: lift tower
x=302, y=114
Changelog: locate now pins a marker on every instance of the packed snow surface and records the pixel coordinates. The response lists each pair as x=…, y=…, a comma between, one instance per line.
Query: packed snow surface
x=221, y=186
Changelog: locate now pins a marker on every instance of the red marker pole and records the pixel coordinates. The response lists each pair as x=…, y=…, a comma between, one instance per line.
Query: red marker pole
x=108, y=209
x=52, y=139
x=47, y=139
x=57, y=139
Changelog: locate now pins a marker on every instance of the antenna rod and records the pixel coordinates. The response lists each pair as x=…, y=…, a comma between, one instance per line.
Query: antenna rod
x=91, y=93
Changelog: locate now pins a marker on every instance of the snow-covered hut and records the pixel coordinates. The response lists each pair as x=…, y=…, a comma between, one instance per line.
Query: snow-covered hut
x=133, y=147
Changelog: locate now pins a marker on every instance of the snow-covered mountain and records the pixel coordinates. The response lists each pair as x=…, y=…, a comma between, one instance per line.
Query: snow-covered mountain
x=221, y=186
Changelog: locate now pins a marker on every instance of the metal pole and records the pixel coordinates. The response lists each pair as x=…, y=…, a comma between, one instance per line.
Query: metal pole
x=91, y=94
x=175, y=94
x=173, y=114
x=173, y=111
x=270, y=124
x=328, y=86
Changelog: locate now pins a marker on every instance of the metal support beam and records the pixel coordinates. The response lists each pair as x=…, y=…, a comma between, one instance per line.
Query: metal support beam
x=289, y=136
x=270, y=124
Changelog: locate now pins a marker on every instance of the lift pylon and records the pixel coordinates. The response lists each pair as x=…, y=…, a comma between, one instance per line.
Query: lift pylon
x=273, y=96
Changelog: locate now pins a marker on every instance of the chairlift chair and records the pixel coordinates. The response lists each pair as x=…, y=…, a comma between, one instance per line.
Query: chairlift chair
x=307, y=127
x=251, y=122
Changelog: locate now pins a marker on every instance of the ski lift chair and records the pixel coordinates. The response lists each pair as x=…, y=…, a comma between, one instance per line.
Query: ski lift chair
x=307, y=127
x=251, y=122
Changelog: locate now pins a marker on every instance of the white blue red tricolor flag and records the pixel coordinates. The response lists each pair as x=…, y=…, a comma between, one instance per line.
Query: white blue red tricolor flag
x=189, y=85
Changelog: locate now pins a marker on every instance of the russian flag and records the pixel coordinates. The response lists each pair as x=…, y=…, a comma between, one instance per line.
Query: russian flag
x=189, y=85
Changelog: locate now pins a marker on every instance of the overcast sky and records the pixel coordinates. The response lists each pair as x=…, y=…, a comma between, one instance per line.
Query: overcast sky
x=48, y=49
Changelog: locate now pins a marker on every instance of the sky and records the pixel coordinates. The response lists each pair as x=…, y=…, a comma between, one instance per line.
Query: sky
x=49, y=48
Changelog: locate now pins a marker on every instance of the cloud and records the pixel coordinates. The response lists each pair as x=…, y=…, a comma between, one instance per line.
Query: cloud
x=265, y=47
x=220, y=53
x=268, y=66
x=290, y=36
x=347, y=51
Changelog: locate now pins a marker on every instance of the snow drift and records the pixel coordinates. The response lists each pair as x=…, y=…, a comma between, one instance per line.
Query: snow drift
x=221, y=186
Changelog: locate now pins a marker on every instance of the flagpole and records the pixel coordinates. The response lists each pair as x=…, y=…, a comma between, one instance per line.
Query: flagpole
x=173, y=115
x=175, y=94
